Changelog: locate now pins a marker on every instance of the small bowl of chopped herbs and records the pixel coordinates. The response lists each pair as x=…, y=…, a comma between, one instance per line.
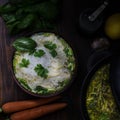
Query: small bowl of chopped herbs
x=43, y=64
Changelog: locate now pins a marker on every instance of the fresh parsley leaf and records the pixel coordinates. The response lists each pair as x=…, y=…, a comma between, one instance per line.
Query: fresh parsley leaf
x=68, y=51
x=24, y=63
x=39, y=53
x=49, y=45
x=31, y=52
x=41, y=71
x=24, y=83
x=41, y=89
x=53, y=53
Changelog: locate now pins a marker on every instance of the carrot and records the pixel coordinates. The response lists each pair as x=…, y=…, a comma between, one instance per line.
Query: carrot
x=11, y=107
x=34, y=113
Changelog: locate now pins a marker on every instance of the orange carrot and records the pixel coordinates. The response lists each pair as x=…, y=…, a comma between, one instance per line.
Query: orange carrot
x=37, y=112
x=11, y=107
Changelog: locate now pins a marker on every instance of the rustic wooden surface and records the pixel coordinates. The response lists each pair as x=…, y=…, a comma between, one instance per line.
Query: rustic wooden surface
x=68, y=28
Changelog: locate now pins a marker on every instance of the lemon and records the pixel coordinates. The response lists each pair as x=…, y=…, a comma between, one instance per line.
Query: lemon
x=112, y=26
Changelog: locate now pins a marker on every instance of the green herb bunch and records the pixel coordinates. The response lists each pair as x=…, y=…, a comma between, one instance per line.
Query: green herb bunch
x=31, y=15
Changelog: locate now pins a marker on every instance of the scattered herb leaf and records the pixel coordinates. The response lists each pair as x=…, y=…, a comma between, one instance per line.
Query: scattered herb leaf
x=41, y=71
x=41, y=89
x=51, y=46
x=24, y=63
x=24, y=83
x=68, y=51
x=39, y=53
x=53, y=53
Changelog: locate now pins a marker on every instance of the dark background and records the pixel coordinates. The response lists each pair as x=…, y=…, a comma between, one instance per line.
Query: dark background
x=68, y=28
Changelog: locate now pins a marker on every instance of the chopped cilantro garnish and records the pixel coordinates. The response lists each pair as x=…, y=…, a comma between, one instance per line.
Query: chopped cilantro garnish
x=53, y=53
x=41, y=71
x=68, y=51
x=24, y=83
x=39, y=53
x=51, y=46
x=24, y=63
x=41, y=89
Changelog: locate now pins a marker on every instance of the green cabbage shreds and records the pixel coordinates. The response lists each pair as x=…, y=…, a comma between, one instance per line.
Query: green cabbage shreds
x=24, y=44
x=41, y=71
x=24, y=63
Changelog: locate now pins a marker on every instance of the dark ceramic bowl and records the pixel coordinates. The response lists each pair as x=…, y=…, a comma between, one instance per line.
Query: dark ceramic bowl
x=51, y=94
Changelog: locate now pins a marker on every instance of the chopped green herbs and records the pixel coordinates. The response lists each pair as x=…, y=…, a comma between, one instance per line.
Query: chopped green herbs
x=24, y=63
x=40, y=89
x=41, y=71
x=53, y=53
x=63, y=83
x=68, y=51
x=71, y=66
x=99, y=100
x=39, y=53
x=50, y=45
x=24, y=83
x=52, y=48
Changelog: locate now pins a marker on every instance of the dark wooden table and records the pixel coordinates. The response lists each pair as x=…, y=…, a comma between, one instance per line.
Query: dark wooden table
x=68, y=29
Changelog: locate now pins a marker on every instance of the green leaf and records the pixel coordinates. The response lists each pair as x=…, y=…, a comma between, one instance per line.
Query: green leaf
x=9, y=18
x=24, y=63
x=41, y=71
x=7, y=8
x=48, y=10
x=63, y=83
x=24, y=83
x=41, y=89
x=104, y=116
x=30, y=15
x=24, y=44
x=68, y=51
x=12, y=27
x=53, y=53
x=39, y=53
x=49, y=45
x=27, y=21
